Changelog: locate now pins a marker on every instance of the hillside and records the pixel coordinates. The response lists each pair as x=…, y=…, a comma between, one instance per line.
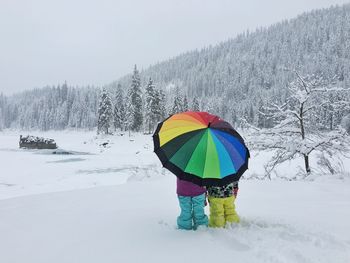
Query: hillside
x=238, y=74
x=314, y=42
x=232, y=79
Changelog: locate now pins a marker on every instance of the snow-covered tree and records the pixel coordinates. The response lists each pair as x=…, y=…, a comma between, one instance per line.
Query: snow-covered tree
x=249, y=114
x=294, y=135
x=155, y=110
x=332, y=113
x=178, y=102
x=119, y=112
x=1, y=120
x=2, y=106
x=195, y=104
x=158, y=111
x=162, y=105
x=150, y=104
x=134, y=105
x=209, y=105
x=185, y=104
x=105, y=112
x=346, y=123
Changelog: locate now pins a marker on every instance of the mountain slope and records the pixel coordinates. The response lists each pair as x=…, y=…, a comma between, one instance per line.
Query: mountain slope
x=318, y=41
x=252, y=66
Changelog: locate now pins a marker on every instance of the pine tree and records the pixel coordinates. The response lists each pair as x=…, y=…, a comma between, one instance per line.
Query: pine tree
x=346, y=123
x=129, y=110
x=134, y=107
x=1, y=119
x=195, y=104
x=2, y=106
x=185, y=104
x=249, y=114
x=178, y=102
x=104, y=113
x=150, y=106
x=158, y=107
x=67, y=95
x=162, y=105
x=119, y=112
x=261, y=122
x=234, y=118
x=176, y=106
x=209, y=106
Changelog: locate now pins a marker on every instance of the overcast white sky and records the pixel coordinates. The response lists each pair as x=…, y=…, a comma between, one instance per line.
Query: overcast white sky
x=95, y=42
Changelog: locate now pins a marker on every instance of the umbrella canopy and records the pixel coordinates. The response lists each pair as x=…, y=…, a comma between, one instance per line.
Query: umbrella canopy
x=201, y=148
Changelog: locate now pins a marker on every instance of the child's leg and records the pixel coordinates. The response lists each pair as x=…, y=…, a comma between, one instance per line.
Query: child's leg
x=184, y=221
x=199, y=217
x=231, y=215
x=216, y=217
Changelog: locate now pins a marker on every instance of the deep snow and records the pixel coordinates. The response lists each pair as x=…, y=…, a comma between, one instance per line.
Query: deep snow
x=127, y=211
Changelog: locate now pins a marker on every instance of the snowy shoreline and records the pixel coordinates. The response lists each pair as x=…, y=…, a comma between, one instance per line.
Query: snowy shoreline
x=90, y=164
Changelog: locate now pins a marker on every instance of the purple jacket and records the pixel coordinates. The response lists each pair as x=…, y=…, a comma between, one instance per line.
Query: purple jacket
x=185, y=188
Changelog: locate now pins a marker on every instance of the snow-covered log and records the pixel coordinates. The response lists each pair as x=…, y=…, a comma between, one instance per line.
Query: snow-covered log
x=33, y=142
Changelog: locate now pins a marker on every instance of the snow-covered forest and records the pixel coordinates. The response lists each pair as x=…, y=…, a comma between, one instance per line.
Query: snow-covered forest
x=236, y=79
x=57, y=107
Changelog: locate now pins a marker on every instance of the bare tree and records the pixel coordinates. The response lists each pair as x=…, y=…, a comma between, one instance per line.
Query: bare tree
x=295, y=134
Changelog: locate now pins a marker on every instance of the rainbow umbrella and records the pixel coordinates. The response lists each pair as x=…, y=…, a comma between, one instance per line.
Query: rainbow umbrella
x=201, y=148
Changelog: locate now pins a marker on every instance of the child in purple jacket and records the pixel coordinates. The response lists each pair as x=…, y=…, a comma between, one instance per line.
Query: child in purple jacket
x=192, y=201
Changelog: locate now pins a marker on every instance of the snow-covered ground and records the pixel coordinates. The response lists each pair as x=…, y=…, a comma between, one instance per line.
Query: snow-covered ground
x=123, y=159
x=116, y=204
